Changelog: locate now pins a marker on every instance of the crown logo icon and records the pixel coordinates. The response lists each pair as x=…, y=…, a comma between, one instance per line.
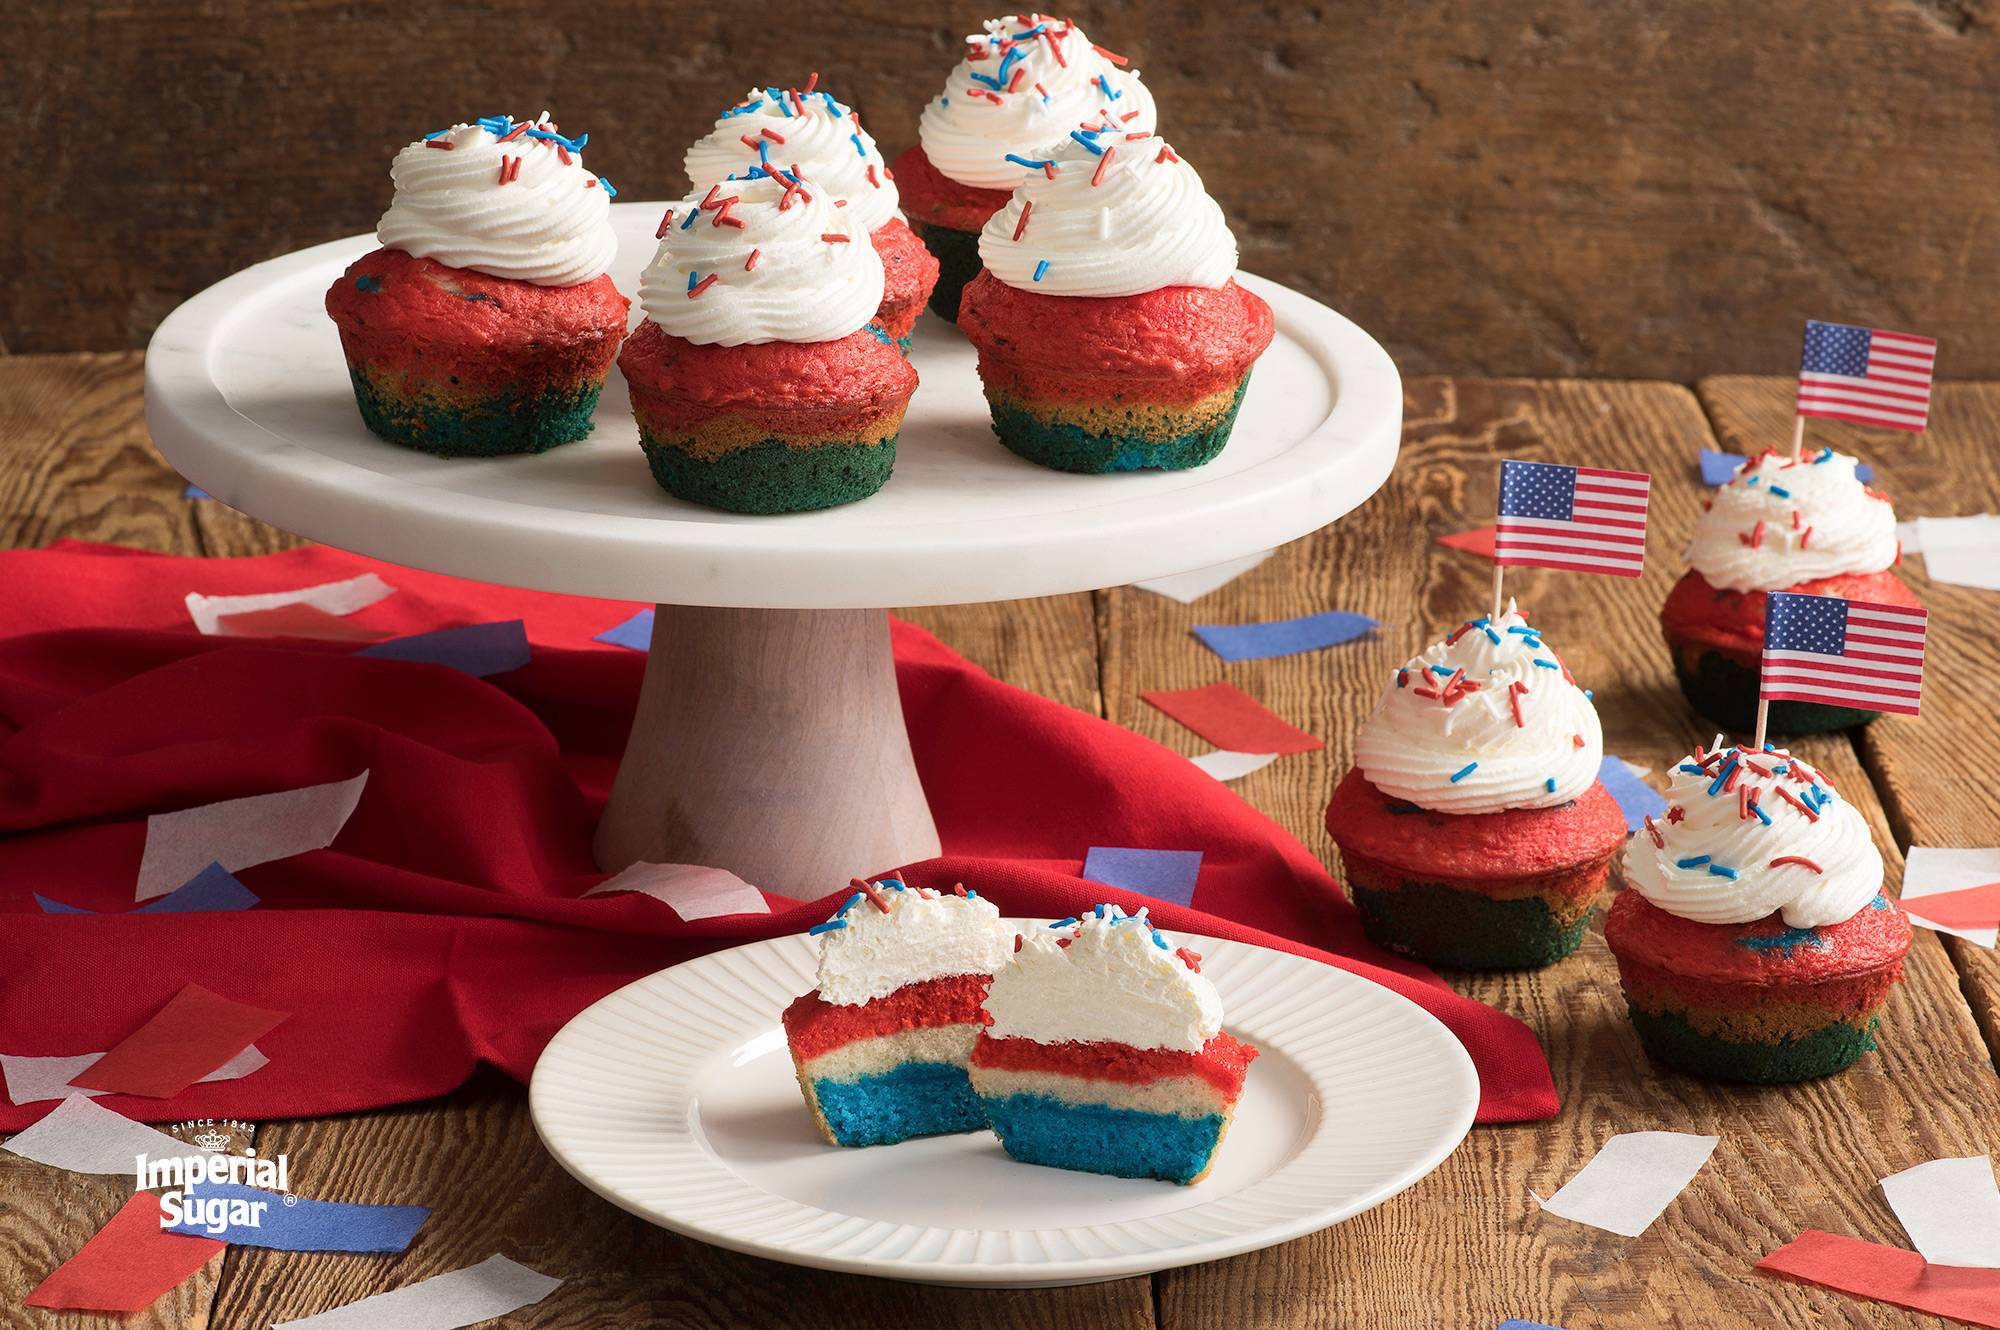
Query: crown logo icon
x=212, y=1140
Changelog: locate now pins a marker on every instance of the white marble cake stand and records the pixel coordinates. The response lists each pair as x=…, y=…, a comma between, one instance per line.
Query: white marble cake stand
x=768, y=739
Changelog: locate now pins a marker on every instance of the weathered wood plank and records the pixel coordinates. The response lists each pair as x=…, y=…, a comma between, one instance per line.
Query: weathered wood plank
x=1930, y=769
x=1467, y=1246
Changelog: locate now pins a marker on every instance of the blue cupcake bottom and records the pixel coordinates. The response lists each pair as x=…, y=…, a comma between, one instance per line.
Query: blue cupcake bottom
x=1094, y=1138
x=916, y=1099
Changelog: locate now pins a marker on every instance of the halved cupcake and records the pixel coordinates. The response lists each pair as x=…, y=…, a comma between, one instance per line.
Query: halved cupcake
x=1025, y=83
x=1807, y=526
x=806, y=130
x=758, y=381
x=485, y=324
x=1753, y=940
x=1112, y=335
x=881, y=1045
x=1105, y=1052
x=1473, y=830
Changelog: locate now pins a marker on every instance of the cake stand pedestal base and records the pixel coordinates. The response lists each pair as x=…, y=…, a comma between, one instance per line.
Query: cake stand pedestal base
x=770, y=743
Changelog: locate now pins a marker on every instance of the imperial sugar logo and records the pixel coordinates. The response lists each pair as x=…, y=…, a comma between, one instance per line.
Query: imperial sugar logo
x=204, y=1190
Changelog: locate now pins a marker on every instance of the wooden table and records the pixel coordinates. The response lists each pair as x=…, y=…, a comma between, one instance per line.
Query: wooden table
x=1467, y=1247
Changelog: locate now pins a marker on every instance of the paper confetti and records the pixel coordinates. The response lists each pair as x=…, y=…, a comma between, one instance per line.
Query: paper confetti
x=1284, y=637
x=636, y=632
x=1230, y=718
x=1719, y=468
x=296, y=621
x=194, y=1034
x=194, y=491
x=1971, y=908
x=1963, y=551
x=1889, y=1274
x=242, y=833
x=210, y=890
x=1631, y=1179
x=1951, y=1210
x=689, y=890
x=1929, y=871
x=1477, y=541
x=1526, y=1325
x=1636, y=799
x=356, y=593
x=477, y=1293
x=1909, y=538
x=478, y=649
x=1165, y=875
x=1189, y=587
x=308, y=1225
x=126, y=1266
x=89, y=1138
x=1225, y=765
x=33, y=1079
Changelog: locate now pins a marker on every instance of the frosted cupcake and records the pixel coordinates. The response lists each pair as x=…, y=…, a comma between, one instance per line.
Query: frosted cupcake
x=485, y=324
x=1753, y=940
x=808, y=132
x=1473, y=830
x=1024, y=84
x=1104, y=1052
x=756, y=380
x=1809, y=526
x=1111, y=332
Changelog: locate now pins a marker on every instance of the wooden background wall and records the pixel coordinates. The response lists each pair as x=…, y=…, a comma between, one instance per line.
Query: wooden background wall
x=1656, y=188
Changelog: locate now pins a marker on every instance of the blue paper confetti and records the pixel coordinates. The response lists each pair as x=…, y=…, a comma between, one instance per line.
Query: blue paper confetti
x=1636, y=799
x=1285, y=637
x=636, y=632
x=478, y=649
x=305, y=1225
x=1165, y=875
x=211, y=890
x=1513, y=1324
x=196, y=492
x=1718, y=468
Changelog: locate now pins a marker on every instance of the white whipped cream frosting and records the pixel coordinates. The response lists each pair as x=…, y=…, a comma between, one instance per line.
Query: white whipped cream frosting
x=1414, y=743
x=812, y=130
x=1137, y=222
x=550, y=224
x=1107, y=978
x=801, y=287
x=924, y=935
x=1049, y=84
x=1839, y=526
x=1709, y=839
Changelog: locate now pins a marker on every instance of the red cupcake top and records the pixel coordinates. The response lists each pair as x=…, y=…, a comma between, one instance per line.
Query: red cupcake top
x=1762, y=952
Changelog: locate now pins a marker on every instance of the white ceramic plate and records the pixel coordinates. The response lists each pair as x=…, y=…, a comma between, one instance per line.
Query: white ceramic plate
x=248, y=395
x=674, y=1098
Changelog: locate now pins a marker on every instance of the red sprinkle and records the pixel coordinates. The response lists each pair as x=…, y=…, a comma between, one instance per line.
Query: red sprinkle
x=772, y=135
x=1191, y=959
x=562, y=154
x=751, y=262
x=1166, y=155
x=446, y=144
x=1675, y=814
x=708, y=200
x=1022, y=225
x=1577, y=739
x=873, y=892
x=1017, y=941
x=812, y=81
x=1796, y=802
x=1112, y=56
x=834, y=237
x=1798, y=859
x=1129, y=115
x=1659, y=841
x=1742, y=799
x=747, y=141
x=1014, y=83
x=871, y=176
x=1049, y=169
x=514, y=133
x=701, y=286
x=1804, y=537
x=1514, y=701
x=665, y=222
x=1044, y=91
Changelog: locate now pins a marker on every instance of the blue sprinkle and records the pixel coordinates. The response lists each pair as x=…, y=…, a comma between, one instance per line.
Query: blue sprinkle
x=691, y=280
x=1722, y=776
x=576, y=144
x=827, y=927
x=605, y=185
x=1480, y=622
x=1064, y=923
x=1028, y=162
x=989, y=81
x=1781, y=491
x=849, y=903
x=1522, y=629
x=1463, y=772
x=945, y=102
x=892, y=884
x=1041, y=268
x=1766, y=817
x=859, y=151
x=436, y=134
x=1753, y=480
x=1547, y=664
x=1587, y=694
x=1551, y=785
x=1721, y=870
x=1099, y=912
x=693, y=213
x=1491, y=635
x=1160, y=942
x=1443, y=671
x=1085, y=138
x=1690, y=768
x=1105, y=84
x=1695, y=862
x=971, y=895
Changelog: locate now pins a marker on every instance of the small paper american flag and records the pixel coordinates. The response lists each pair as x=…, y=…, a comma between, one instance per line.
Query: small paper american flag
x=1866, y=375
x=1852, y=653
x=1582, y=518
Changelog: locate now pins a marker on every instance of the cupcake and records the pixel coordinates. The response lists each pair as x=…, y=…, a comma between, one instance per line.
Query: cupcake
x=1025, y=83
x=759, y=384
x=1753, y=940
x=1473, y=830
x=1104, y=1052
x=1112, y=335
x=1808, y=526
x=808, y=131
x=881, y=1044
x=485, y=324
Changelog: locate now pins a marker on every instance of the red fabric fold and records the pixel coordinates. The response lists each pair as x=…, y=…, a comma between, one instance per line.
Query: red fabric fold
x=443, y=926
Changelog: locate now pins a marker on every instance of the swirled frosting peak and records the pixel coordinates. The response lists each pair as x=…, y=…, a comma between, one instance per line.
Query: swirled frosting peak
x=888, y=935
x=509, y=198
x=1025, y=82
x=1778, y=523
x=763, y=258
x=1111, y=213
x=806, y=126
x=1109, y=977
x=1749, y=832
x=1486, y=720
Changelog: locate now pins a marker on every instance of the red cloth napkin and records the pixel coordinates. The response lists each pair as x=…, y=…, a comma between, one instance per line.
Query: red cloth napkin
x=443, y=925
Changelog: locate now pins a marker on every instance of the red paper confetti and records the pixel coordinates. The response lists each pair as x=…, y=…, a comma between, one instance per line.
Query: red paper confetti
x=1969, y=907
x=1230, y=718
x=196, y=1032
x=1478, y=541
x=1889, y=1274
x=126, y=1265
x=298, y=620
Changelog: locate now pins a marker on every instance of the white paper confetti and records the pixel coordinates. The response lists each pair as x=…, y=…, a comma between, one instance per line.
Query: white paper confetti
x=33, y=1079
x=1189, y=587
x=477, y=1293
x=88, y=1138
x=242, y=833
x=356, y=593
x=1964, y=551
x=1951, y=1210
x=1631, y=1179
x=1909, y=537
x=689, y=890
x=1928, y=871
x=1226, y=765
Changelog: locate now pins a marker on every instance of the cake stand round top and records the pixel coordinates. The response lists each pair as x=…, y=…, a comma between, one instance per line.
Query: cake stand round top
x=248, y=395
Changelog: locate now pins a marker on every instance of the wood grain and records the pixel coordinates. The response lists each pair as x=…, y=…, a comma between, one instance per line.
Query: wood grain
x=1563, y=188
x=1932, y=769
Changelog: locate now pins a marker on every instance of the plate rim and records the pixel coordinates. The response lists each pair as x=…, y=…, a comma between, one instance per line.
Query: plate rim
x=1019, y=1274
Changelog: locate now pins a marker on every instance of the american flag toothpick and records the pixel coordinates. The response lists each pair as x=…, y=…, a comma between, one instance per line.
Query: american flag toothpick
x=1849, y=653
x=1867, y=376
x=1582, y=518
